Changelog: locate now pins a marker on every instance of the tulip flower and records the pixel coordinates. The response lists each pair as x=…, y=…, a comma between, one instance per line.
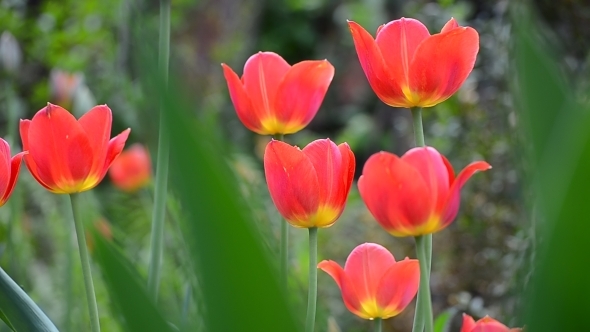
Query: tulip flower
x=9, y=169
x=132, y=169
x=408, y=67
x=273, y=97
x=486, y=324
x=63, y=86
x=416, y=194
x=309, y=187
x=66, y=155
x=372, y=283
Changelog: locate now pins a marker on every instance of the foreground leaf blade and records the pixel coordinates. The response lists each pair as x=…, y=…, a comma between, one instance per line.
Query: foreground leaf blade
x=127, y=292
x=20, y=310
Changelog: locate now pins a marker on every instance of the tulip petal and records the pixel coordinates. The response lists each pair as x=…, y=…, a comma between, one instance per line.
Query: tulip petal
x=434, y=170
x=348, y=166
x=292, y=182
x=326, y=159
x=97, y=124
x=15, y=164
x=398, y=286
x=114, y=149
x=301, y=93
x=385, y=85
x=246, y=113
x=468, y=323
x=60, y=148
x=263, y=73
x=488, y=324
x=4, y=167
x=395, y=194
x=398, y=41
x=365, y=266
x=441, y=64
x=450, y=25
x=24, y=135
x=349, y=296
x=454, y=198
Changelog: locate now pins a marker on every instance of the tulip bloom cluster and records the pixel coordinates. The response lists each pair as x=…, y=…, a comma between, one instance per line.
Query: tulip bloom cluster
x=416, y=194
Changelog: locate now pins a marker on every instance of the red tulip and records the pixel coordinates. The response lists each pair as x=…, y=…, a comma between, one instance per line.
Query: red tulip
x=309, y=187
x=275, y=98
x=132, y=169
x=9, y=168
x=67, y=155
x=372, y=283
x=416, y=194
x=486, y=324
x=408, y=67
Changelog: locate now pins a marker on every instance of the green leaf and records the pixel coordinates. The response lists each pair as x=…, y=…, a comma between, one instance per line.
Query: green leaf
x=6, y=321
x=238, y=281
x=127, y=291
x=18, y=310
x=442, y=323
x=557, y=297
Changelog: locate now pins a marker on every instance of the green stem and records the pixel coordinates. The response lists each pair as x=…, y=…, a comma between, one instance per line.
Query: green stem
x=284, y=239
x=424, y=308
x=159, y=212
x=421, y=318
x=418, y=128
x=86, y=271
x=378, y=324
x=312, y=295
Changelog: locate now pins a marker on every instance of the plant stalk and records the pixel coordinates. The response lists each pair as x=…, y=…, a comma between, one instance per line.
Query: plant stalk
x=378, y=324
x=161, y=190
x=424, y=307
x=284, y=240
x=313, y=280
x=420, y=316
x=86, y=271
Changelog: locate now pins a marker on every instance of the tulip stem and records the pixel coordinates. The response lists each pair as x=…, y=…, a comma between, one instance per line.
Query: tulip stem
x=378, y=324
x=423, y=302
x=159, y=210
x=423, y=317
x=86, y=271
x=284, y=239
x=418, y=128
x=313, y=279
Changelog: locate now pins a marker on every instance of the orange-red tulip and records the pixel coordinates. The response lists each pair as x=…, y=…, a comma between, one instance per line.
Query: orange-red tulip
x=9, y=168
x=132, y=169
x=372, y=283
x=275, y=98
x=416, y=194
x=486, y=324
x=309, y=187
x=67, y=155
x=408, y=67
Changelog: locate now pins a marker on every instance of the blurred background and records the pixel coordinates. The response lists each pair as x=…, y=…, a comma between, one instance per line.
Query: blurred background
x=81, y=53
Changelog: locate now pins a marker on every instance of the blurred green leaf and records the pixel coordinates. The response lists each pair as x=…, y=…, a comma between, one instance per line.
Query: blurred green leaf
x=22, y=313
x=238, y=283
x=6, y=321
x=127, y=291
x=557, y=299
x=442, y=323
